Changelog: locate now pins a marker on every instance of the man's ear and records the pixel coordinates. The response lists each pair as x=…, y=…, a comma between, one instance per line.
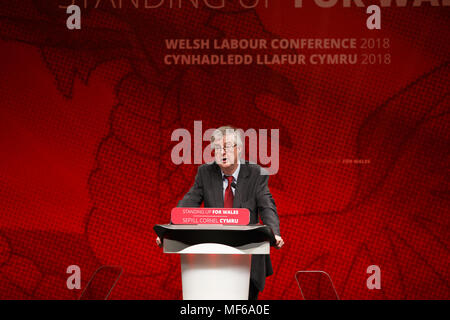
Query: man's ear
x=239, y=153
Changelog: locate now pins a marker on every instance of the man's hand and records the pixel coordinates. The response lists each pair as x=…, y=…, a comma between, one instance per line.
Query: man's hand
x=158, y=242
x=279, y=242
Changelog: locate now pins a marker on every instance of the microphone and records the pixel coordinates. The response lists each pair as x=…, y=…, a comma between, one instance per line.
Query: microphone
x=233, y=184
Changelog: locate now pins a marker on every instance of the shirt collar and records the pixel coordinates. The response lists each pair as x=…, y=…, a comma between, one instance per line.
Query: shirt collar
x=236, y=172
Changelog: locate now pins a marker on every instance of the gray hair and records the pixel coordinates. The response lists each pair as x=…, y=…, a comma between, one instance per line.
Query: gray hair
x=226, y=131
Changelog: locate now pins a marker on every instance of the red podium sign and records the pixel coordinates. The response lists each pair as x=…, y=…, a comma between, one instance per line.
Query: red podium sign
x=228, y=216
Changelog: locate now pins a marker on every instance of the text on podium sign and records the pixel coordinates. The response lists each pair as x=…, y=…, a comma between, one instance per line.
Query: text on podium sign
x=227, y=216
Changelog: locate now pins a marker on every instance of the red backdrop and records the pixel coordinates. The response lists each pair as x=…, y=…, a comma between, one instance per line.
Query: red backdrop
x=86, y=119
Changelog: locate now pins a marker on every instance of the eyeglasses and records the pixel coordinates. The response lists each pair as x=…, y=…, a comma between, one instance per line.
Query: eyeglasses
x=227, y=148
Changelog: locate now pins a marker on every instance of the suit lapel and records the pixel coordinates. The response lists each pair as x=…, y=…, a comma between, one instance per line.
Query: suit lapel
x=241, y=185
x=217, y=187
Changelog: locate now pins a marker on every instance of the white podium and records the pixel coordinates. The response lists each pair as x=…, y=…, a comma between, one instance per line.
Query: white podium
x=215, y=259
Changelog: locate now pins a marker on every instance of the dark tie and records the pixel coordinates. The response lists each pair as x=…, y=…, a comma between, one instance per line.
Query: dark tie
x=228, y=200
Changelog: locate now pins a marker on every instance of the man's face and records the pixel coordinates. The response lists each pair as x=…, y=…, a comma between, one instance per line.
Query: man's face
x=226, y=151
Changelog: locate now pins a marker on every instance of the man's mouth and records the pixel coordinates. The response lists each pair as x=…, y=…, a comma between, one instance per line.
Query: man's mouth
x=224, y=160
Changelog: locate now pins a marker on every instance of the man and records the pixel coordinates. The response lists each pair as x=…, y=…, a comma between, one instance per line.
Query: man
x=232, y=183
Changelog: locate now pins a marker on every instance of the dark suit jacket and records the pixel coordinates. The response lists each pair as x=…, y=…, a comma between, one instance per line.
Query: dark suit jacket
x=252, y=192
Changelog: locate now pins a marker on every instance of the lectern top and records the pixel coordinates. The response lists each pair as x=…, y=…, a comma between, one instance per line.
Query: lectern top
x=223, y=234
x=210, y=227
